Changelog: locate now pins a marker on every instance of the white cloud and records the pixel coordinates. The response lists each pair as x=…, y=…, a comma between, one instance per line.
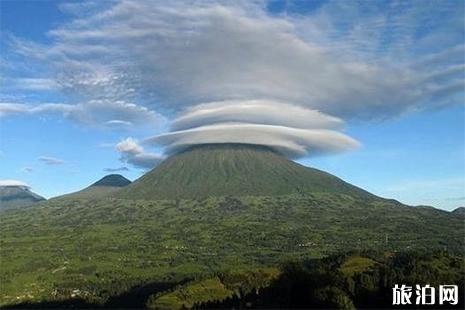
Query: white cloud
x=51, y=160
x=129, y=146
x=134, y=154
x=15, y=183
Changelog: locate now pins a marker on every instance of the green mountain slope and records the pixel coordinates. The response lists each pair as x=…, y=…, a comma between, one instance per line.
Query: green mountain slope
x=17, y=196
x=233, y=170
x=106, y=186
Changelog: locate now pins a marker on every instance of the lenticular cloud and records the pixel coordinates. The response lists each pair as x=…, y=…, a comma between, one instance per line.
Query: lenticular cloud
x=288, y=129
x=13, y=183
x=265, y=112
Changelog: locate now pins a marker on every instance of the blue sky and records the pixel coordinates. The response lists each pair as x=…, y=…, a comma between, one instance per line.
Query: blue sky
x=82, y=90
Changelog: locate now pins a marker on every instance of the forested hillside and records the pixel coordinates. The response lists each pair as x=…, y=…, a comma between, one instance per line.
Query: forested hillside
x=98, y=249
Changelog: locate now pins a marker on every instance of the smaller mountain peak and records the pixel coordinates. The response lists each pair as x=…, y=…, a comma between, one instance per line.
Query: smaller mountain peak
x=459, y=211
x=17, y=195
x=115, y=180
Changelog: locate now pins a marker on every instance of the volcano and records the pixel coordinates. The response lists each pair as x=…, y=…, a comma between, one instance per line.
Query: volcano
x=234, y=170
x=17, y=196
x=103, y=187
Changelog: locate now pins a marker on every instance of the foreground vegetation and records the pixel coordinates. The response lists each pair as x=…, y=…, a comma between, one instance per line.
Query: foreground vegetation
x=345, y=281
x=99, y=250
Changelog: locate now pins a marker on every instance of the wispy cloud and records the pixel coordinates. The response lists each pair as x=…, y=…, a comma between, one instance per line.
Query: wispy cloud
x=51, y=160
x=428, y=191
x=27, y=169
x=413, y=185
x=462, y=198
x=120, y=169
x=118, y=122
x=93, y=112
x=34, y=84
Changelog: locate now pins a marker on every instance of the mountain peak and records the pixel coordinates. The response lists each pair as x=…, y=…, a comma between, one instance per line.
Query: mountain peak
x=233, y=170
x=104, y=187
x=114, y=180
x=459, y=211
x=12, y=196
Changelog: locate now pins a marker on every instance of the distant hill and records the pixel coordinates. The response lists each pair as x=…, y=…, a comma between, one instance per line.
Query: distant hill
x=460, y=211
x=105, y=186
x=112, y=180
x=17, y=196
x=234, y=170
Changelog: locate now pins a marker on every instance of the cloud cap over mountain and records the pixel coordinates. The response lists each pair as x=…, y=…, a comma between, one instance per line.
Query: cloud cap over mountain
x=14, y=183
x=291, y=142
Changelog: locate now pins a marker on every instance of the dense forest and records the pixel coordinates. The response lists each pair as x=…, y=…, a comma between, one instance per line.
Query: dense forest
x=342, y=281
